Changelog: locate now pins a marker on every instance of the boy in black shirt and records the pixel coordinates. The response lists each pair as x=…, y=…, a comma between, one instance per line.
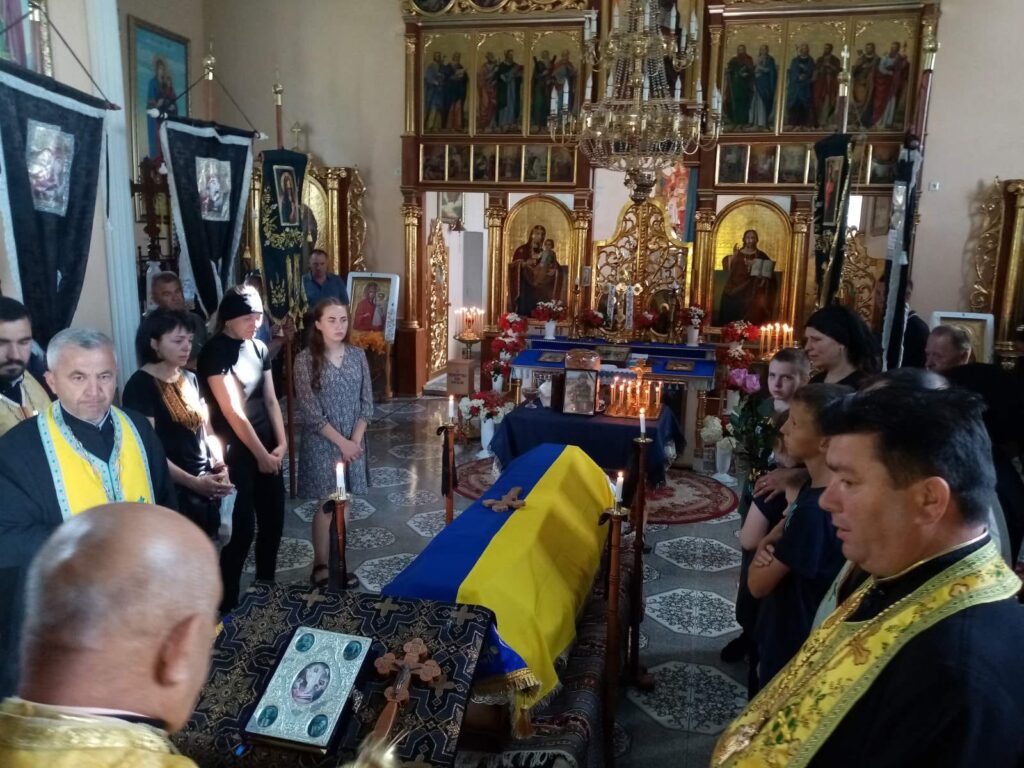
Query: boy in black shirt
x=797, y=561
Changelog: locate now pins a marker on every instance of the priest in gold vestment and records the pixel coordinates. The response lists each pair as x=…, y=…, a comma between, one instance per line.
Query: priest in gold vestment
x=920, y=666
x=117, y=641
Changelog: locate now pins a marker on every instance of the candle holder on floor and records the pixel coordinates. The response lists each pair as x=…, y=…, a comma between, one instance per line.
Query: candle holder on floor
x=636, y=674
x=339, y=500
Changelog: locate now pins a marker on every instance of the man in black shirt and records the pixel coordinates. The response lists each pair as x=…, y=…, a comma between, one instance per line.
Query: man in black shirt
x=920, y=666
x=80, y=452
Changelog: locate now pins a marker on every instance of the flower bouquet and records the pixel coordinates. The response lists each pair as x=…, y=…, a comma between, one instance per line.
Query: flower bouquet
x=734, y=357
x=644, y=319
x=591, y=319
x=755, y=432
x=512, y=324
x=742, y=380
x=696, y=316
x=548, y=310
x=740, y=331
x=484, y=406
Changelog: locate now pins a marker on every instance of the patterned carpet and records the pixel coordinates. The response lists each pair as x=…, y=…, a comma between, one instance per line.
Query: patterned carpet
x=686, y=497
x=690, y=582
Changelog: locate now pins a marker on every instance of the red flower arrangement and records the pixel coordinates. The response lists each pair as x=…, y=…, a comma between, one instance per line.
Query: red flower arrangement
x=498, y=367
x=734, y=357
x=509, y=345
x=512, y=323
x=644, y=319
x=591, y=318
x=548, y=310
x=740, y=330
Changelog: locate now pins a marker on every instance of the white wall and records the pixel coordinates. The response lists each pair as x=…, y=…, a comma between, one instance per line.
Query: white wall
x=342, y=65
x=974, y=135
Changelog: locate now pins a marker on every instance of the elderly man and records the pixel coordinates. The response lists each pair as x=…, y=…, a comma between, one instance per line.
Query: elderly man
x=166, y=292
x=77, y=453
x=319, y=283
x=920, y=665
x=946, y=348
x=21, y=396
x=116, y=641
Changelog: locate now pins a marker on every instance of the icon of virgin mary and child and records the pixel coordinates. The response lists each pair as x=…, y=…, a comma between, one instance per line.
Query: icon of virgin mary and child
x=535, y=274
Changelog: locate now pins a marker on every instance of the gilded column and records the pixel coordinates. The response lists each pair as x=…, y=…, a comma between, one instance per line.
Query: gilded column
x=704, y=260
x=797, y=283
x=1010, y=306
x=716, y=44
x=581, y=219
x=411, y=215
x=410, y=83
x=494, y=217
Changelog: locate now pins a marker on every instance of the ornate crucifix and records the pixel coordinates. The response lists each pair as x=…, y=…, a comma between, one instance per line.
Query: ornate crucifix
x=414, y=663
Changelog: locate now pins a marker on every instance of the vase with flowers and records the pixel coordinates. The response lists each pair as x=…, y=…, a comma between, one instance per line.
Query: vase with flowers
x=549, y=312
x=488, y=409
x=591, y=320
x=695, y=316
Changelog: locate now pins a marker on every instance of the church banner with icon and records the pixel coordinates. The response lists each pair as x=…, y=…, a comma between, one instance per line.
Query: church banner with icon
x=283, y=233
x=904, y=200
x=831, y=203
x=51, y=145
x=209, y=172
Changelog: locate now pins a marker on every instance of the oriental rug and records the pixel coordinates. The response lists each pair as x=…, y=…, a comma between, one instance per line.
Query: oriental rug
x=686, y=497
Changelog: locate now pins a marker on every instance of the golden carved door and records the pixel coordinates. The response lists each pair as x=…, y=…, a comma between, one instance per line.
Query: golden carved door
x=437, y=360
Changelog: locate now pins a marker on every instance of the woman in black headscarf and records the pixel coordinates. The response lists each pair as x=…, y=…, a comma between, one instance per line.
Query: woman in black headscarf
x=840, y=346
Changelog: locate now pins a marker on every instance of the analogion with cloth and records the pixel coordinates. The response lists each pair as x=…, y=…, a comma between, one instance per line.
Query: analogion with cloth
x=532, y=566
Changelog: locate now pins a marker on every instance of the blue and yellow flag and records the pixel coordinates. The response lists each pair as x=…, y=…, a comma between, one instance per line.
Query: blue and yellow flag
x=533, y=567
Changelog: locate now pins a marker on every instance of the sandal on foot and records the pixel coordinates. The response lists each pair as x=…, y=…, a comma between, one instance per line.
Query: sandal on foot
x=321, y=582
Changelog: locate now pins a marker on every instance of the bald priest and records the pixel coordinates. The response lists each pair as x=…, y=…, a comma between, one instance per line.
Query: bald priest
x=79, y=452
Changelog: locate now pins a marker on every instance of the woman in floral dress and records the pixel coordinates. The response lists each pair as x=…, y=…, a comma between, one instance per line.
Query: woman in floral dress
x=332, y=384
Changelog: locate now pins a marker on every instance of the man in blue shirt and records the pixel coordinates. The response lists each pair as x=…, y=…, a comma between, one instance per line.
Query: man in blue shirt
x=319, y=284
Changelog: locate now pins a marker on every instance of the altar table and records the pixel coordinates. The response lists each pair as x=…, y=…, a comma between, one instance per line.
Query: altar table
x=608, y=440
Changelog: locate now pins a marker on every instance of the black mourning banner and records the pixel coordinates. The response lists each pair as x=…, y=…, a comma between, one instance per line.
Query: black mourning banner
x=901, y=231
x=209, y=170
x=283, y=232
x=51, y=142
x=831, y=204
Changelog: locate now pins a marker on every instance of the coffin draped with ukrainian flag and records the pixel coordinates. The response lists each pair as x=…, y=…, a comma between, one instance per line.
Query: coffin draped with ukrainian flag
x=533, y=567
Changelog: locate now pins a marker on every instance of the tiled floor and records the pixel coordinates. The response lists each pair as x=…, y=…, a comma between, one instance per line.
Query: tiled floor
x=690, y=577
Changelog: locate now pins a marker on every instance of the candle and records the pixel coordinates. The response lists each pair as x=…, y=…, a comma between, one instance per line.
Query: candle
x=214, y=448
x=451, y=407
x=643, y=422
x=679, y=88
x=846, y=55
x=716, y=100
x=565, y=93
x=618, y=488
x=672, y=18
x=615, y=15
x=693, y=25
x=760, y=344
x=554, y=101
x=590, y=84
x=339, y=478
x=657, y=399
x=700, y=92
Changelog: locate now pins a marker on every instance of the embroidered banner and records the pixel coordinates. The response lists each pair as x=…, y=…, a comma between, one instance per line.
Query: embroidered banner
x=283, y=232
x=901, y=231
x=51, y=142
x=209, y=171
x=831, y=203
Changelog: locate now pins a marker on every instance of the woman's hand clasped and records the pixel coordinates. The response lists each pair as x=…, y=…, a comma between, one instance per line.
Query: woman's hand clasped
x=214, y=485
x=350, y=450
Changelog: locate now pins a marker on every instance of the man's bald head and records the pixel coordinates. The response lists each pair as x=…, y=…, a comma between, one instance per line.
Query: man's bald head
x=121, y=603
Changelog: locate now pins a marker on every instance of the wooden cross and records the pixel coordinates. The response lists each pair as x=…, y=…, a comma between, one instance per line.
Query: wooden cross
x=462, y=615
x=387, y=606
x=507, y=502
x=414, y=663
x=312, y=597
x=441, y=685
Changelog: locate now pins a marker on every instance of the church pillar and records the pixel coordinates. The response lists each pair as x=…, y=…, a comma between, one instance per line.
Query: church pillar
x=494, y=216
x=582, y=216
x=704, y=262
x=410, y=82
x=118, y=229
x=411, y=338
x=796, y=282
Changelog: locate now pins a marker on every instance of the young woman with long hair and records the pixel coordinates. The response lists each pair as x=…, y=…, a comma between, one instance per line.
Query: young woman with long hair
x=335, y=397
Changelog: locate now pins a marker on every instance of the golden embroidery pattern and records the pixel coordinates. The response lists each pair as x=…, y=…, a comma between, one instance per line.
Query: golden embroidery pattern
x=178, y=403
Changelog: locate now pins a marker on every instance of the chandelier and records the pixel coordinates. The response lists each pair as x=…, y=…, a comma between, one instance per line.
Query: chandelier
x=642, y=122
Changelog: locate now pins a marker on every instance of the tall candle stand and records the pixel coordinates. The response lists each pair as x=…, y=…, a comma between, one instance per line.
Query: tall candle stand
x=636, y=674
x=340, y=501
x=448, y=478
x=614, y=517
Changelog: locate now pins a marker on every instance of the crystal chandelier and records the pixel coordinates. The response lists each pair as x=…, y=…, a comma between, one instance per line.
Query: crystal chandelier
x=640, y=124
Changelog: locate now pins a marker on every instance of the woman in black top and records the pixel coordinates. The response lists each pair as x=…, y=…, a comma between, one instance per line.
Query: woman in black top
x=166, y=393
x=234, y=369
x=840, y=346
